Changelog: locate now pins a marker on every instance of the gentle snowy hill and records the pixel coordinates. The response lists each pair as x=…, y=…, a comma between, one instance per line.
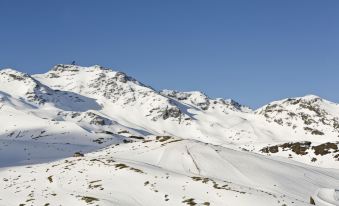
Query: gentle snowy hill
x=175, y=148
x=146, y=172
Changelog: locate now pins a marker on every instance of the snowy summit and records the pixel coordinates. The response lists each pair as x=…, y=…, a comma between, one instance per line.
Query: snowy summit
x=93, y=136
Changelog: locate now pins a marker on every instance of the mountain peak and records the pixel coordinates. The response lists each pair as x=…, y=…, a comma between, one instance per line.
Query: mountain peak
x=76, y=68
x=89, y=73
x=311, y=96
x=10, y=76
x=237, y=105
x=202, y=101
x=22, y=85
x=307, y=99
x=13, y=73
x=310, y=114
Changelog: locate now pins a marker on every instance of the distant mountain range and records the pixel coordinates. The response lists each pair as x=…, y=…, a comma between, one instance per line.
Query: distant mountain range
x=147, y=147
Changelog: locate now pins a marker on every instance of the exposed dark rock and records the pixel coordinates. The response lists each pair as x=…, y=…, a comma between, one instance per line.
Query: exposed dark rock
x=299, y=148
x=171, y=112
x=325, y=148
x=78, y=154
x=312, y=201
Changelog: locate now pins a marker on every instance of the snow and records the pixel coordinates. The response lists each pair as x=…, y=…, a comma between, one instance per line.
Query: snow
x=173, y=147
x=326, y=197
x=148, y=173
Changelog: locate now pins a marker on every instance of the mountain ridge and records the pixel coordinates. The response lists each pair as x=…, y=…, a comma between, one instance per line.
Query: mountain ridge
x=111, y=122
x=124, y=77
x=104, y=98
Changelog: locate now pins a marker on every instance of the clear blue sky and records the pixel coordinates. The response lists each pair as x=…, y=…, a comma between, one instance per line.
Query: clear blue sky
x=253, y=51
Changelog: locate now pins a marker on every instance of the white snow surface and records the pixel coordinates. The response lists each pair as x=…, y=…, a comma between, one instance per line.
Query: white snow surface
x=149, y=147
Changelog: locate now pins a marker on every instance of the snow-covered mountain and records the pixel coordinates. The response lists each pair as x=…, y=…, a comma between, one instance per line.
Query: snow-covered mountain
x=149, y=147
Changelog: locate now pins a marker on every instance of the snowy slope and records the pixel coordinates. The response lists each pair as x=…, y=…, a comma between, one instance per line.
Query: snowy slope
x=148, y=173
x=173, y=147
